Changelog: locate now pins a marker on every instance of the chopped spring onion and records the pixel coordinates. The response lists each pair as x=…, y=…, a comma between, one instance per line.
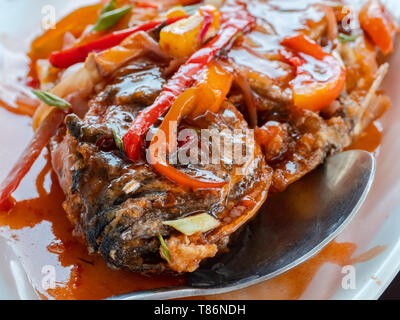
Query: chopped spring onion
x=110, y=18
x=118, y=138
x=164, y=249
x=111, y=5
x=51, y=99
x=202, y=222
x=343, y=38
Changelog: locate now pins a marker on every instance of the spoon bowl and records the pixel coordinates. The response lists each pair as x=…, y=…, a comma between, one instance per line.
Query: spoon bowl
x=290, y=228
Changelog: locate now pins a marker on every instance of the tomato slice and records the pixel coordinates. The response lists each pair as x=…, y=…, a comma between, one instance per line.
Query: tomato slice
x=378, y=24
x=320, y=77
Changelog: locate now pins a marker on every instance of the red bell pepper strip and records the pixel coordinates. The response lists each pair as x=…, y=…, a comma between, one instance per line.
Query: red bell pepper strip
x=303, y=44
x=233, y=23
x=378, y=24
x=320, y=77
x=40, y=139
x=144, y=4
x=69, y=57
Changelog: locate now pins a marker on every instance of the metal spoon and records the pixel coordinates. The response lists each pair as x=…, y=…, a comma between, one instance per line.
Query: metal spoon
x=290, y=228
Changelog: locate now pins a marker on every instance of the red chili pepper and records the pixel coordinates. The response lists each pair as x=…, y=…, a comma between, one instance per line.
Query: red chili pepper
x=234, y=22
x=69, y=57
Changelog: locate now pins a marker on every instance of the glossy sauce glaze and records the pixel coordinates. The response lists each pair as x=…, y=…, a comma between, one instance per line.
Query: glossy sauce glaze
x=39, y=232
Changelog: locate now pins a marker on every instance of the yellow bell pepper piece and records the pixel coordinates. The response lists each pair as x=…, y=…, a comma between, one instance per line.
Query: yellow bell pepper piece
x=184, y=37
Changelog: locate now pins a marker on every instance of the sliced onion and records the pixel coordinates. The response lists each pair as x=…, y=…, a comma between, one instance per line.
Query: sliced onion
x=248, y=98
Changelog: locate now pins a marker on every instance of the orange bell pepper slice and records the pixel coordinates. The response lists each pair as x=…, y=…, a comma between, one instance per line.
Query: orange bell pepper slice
x=320, y=77
x=208, y=95
x=378, y=24
x=165, y=169
x=210, y=92
x=184, y=37
x=215, y=84
x=181, y=108
x=53, y=39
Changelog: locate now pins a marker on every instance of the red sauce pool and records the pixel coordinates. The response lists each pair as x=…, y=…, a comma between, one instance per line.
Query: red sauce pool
x=39, y=231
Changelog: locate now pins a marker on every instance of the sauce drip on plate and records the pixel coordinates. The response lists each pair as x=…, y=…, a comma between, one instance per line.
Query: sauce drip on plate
x=39, y=231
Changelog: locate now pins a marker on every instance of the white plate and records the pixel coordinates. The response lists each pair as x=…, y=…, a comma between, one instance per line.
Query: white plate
x=377, y=226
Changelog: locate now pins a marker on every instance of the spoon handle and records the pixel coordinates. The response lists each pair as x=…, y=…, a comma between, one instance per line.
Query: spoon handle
x=163, y=293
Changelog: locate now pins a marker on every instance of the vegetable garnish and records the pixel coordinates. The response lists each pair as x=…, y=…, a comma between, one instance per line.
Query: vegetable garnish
x=118, y=138
x=109, y=6
x=202, y=222
x=164, y=249
x=184, y=37
x=209, y=93
x=234, y=22
x=66, y=58
x=53, y=39
x=182, y=107
x=51, y=99
x=343, y=38
x=41, y=138
x=320, y=77
x=164, y=168
x=213, y=85
x=146, y=4
x=377, y=23
x=109, y=18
